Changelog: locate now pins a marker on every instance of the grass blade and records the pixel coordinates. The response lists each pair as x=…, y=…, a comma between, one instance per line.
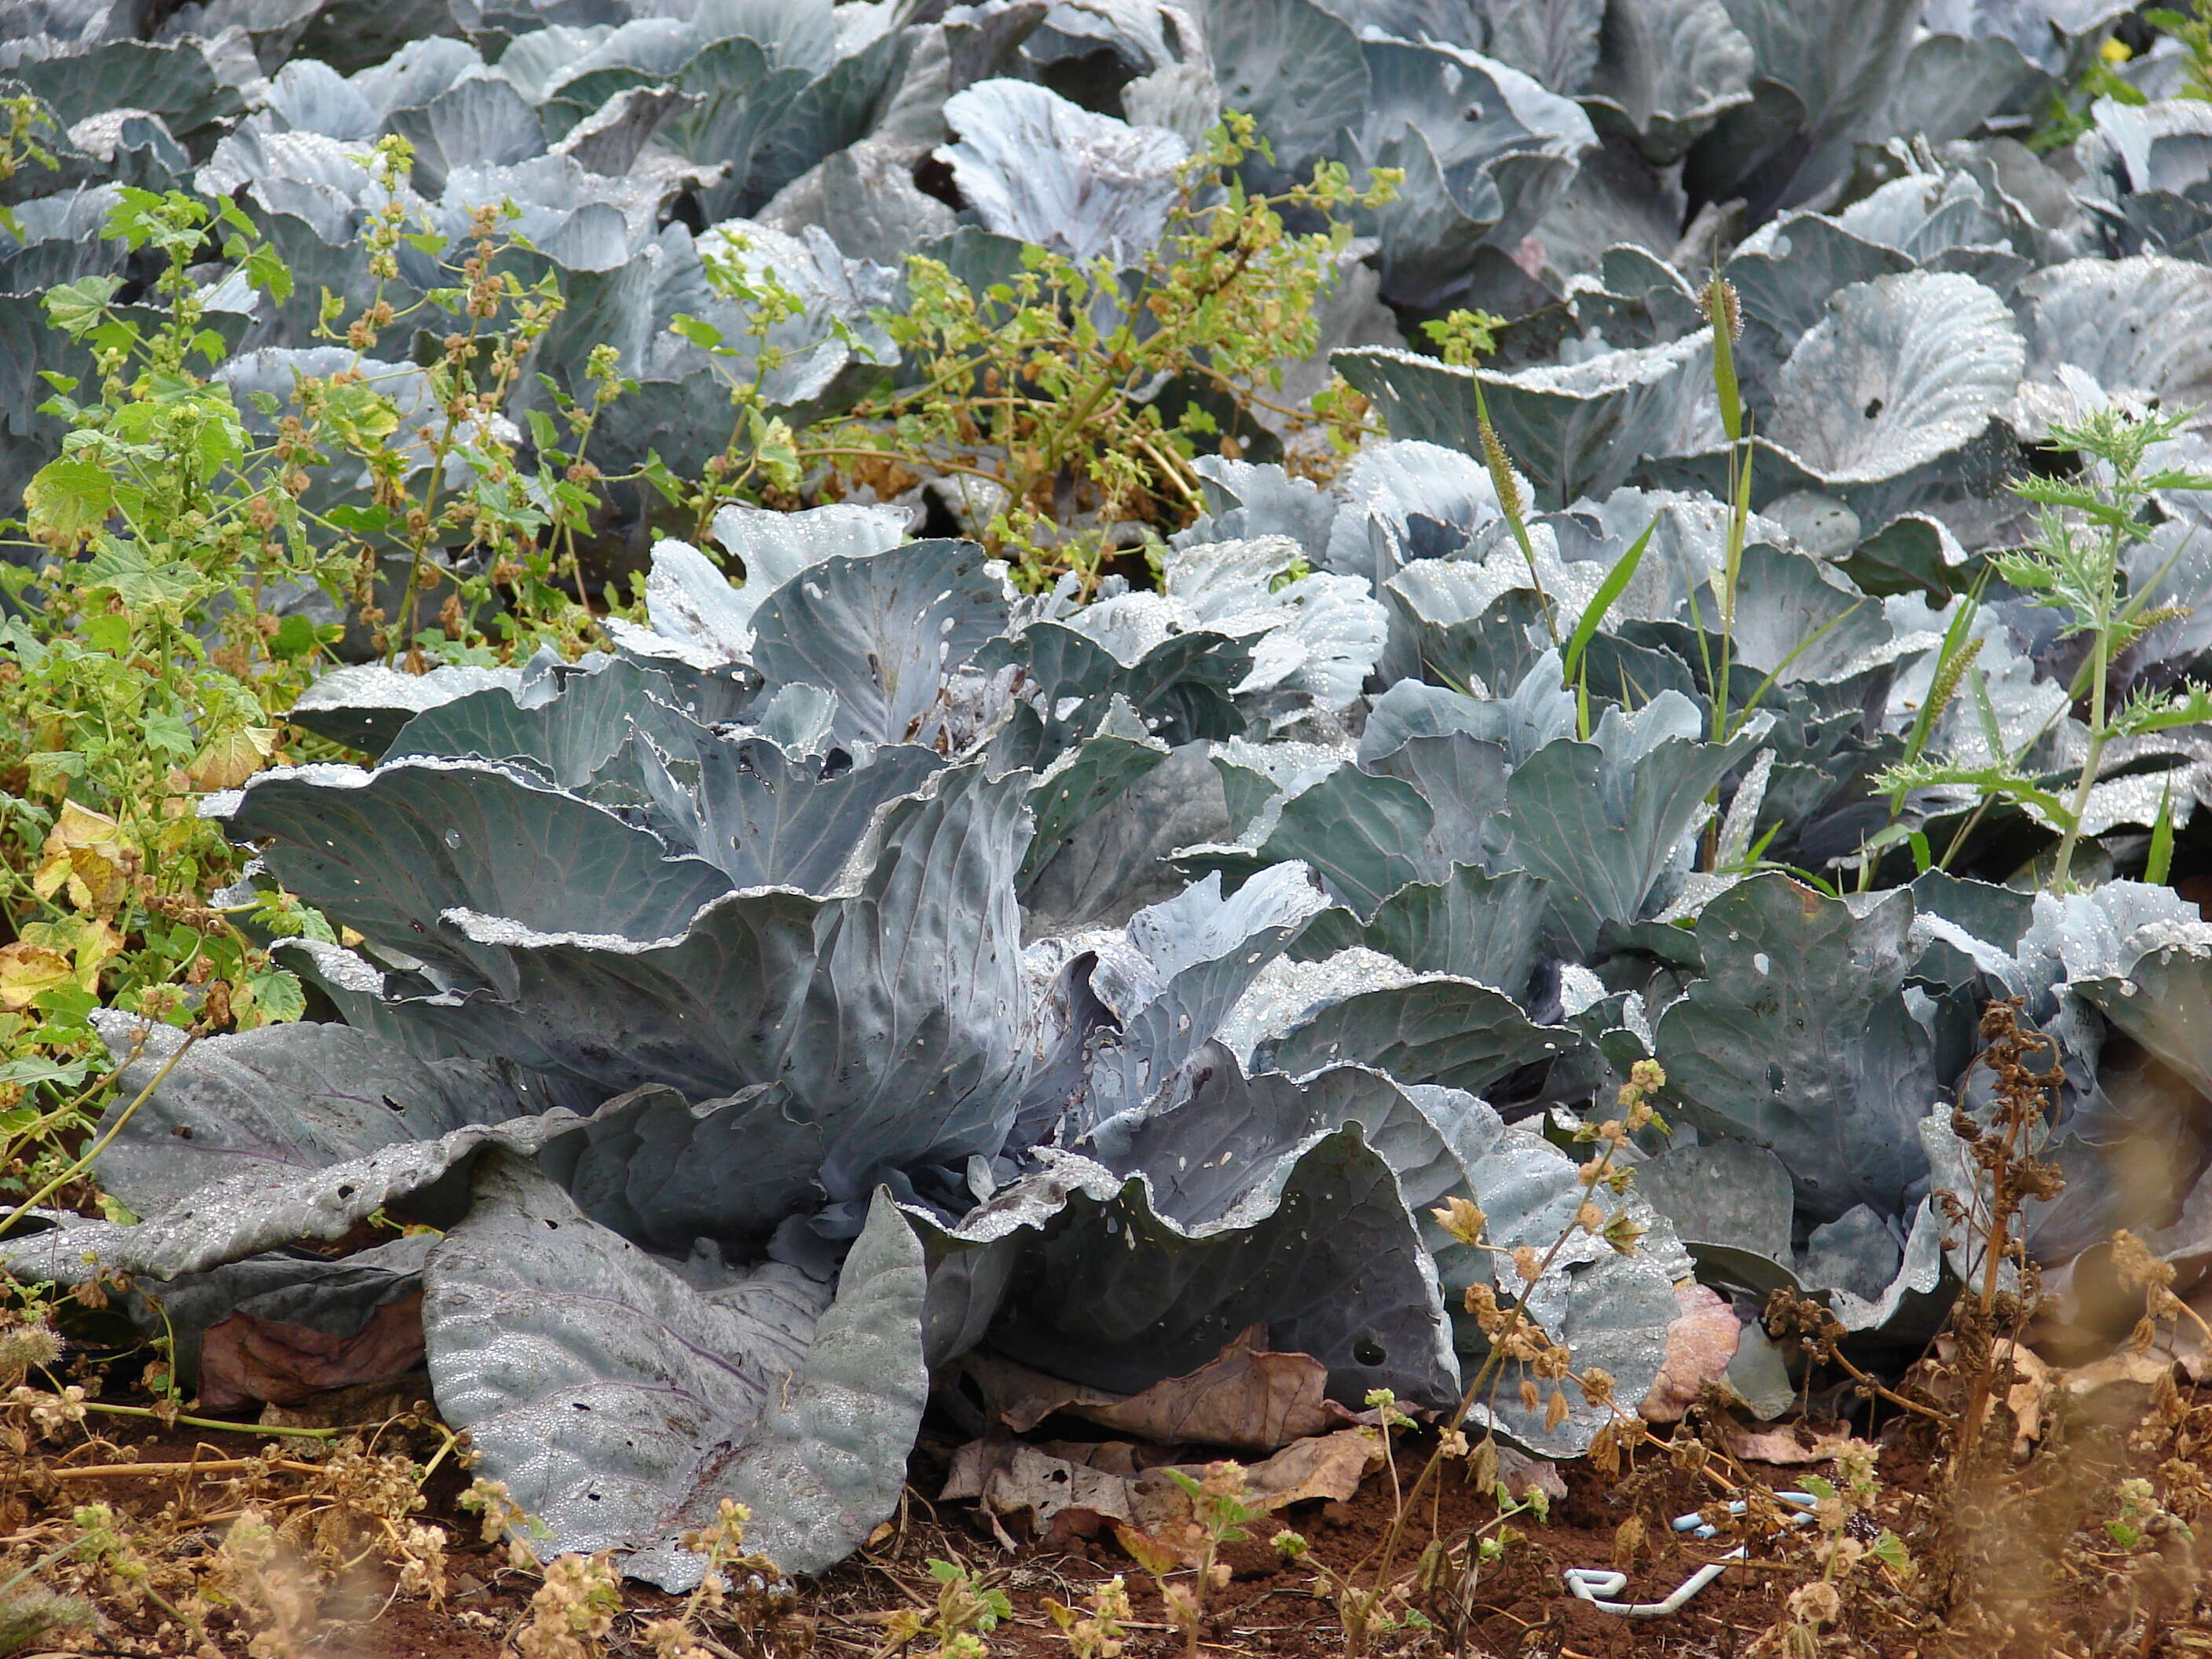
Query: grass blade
x=1616, y=582
x=2161, y=864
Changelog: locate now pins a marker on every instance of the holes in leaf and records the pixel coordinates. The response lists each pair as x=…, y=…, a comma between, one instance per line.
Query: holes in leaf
x=1368, y=1351
x=937, y=518
x=1872, y=408
x=1093, y=80
x=932, y=177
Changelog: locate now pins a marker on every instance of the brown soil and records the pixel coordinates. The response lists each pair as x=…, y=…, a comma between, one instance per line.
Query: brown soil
x=1516, y=1605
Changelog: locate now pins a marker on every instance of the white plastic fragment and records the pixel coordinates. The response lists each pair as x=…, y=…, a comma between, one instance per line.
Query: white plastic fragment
x=1594, y=1584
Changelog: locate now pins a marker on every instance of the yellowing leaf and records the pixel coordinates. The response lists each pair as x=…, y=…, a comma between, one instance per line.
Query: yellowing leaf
x=361, y=417
x=97, y=883
x=229, y=759
x=87, y=854
x=78, y=825
x=84, y=942
x=27, y=970
x=70, y=498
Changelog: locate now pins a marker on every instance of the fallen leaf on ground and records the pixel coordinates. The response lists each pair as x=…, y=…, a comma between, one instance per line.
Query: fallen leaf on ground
x=1248, y=1397
x=1803, y=1441
x=1327, y=1466
x=1071, y=1489
x=1523, y=1474
x=1060, y=1498
x=2031, y=1387
x=2033, y=1378
x=2143, y=1369
x=1129, y=1457
x=1700, y=1342
x=245, y=1358
x=2192, y=1347
x=1341, y=1416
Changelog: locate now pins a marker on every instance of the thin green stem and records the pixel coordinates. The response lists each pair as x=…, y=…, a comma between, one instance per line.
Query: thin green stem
x=1492, y=1362
x=2078, y=810
x=85, y=1160
x=273, y=1430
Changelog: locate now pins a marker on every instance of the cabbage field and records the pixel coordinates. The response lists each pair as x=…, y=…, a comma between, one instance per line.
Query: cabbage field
x=737, y=732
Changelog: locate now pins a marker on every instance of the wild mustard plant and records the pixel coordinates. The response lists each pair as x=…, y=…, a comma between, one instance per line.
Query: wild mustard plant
x=1463, y=337
x=2083, y=525
x=2067, y=113
x=760, y=453
x=1218, y=1506
x=573, y=1611
x=263, y=1586
x=1043, y=389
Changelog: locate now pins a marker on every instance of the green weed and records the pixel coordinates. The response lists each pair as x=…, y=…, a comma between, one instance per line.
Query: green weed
x=2083, y=525
x=1072, y=393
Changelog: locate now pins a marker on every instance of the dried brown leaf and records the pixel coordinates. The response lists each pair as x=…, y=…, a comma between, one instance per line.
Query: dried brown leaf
x=245, y=1358
x=1248, y=1397
x=1700, y=1343
x=1804, y=1442
x=1067, y=1488
x=2142, y=1369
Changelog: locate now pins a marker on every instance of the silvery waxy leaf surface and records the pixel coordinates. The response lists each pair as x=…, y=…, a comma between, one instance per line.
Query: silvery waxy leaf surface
x=860, y=962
